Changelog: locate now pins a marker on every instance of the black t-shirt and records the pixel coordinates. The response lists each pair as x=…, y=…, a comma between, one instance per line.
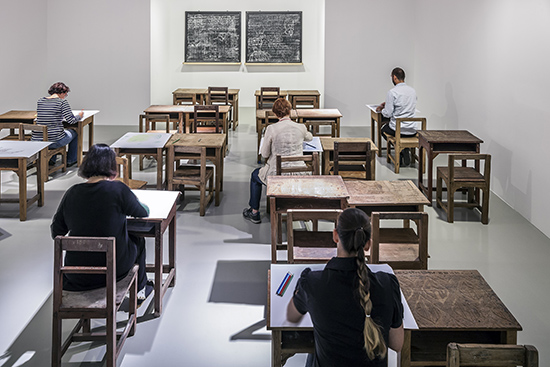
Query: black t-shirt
x=97, y=210
x=331, y=299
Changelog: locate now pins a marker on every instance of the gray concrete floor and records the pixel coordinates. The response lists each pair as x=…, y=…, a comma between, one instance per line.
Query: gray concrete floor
x=214, y=316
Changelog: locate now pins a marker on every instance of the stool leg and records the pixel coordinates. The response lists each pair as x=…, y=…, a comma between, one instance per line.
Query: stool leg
x=56, y=340
x=450, y=204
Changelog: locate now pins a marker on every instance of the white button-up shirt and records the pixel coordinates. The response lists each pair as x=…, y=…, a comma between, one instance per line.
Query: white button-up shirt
x=401, y=102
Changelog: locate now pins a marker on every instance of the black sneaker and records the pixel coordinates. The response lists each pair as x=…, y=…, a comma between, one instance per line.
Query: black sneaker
x=254, y=218
x=144, y=293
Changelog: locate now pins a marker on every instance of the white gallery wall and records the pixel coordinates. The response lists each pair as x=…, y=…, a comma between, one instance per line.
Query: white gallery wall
x=364, y=41
x=483, y=66
x=100, y=49
x=22, y=38
x=476, y=65
x=167, y=51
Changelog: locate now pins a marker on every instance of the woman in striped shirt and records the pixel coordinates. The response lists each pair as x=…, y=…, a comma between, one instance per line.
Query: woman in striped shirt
x=52, y=111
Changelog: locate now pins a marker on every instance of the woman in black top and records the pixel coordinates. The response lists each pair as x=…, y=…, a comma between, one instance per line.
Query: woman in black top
x=98, y=208
x=356, y=313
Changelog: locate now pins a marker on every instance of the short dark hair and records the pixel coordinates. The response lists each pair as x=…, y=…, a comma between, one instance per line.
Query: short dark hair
x=399, y=73
x=281, y=107
x=99, y=161
x=58, y=88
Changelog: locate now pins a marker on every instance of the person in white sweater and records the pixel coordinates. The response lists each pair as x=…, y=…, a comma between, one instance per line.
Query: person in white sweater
x=283, y=138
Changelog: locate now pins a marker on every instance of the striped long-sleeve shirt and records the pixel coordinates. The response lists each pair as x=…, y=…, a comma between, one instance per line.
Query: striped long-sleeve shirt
x=52, y=112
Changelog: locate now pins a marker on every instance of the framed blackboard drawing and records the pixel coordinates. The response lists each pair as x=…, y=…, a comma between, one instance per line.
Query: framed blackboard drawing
x=212, y=37
x=274, y=37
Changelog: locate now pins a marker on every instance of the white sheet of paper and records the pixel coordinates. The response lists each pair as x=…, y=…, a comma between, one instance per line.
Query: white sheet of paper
x=87, y=113
x=279, y=304
x=159, y=201
x=142, y=140
x=21, y=149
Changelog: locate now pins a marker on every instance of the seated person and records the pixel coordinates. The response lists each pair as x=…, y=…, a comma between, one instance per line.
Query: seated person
x=356, y=313
x=52, y=111
x=98, y=208
x=284, y=138
x=400, y=102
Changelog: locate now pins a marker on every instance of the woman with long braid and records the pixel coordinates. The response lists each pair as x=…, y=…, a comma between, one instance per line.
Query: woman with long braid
x=356, y=314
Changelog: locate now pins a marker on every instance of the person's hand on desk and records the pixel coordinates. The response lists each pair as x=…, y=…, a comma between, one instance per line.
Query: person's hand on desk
x=381, y=107
x=81, y=114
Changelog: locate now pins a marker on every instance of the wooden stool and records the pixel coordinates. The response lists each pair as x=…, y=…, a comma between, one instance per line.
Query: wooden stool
x=401, y=248
x=465, y=177
x=101, y=303
x=399, y=143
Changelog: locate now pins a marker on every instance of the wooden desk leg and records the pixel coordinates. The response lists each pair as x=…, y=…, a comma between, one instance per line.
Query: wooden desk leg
x=172, y=248
x=158, y=270
x=372, y=132
x=80, y=140
x=159, y=168
x=235, y=112
x=276, y=352
x=22, y=173
x=509, y=337
x=338, y=127
x=404, y=357
x=430, y=162
x=326, y=162
x=274, y=229
x=217, y=164
x=420, y=170
x=91, y=133
x=41, y=175
x=373, y=166
x=221, y=158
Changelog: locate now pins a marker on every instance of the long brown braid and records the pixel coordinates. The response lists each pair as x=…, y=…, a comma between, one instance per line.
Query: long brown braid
x=354, y=231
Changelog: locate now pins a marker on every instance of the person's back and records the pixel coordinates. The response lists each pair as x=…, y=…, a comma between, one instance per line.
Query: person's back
x=356, y=314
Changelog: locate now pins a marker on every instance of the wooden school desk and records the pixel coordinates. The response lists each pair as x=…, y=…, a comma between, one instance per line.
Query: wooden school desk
x=289, y=338
x=19, y=117
x=435, y=142
x=301, y=192
x=143, y=143
x=332, y=115
x=451, y=306
x=87, y=120
x=385, y=196
x=162, y=215
x=328, y=152
x=175, y=112
x=199, y=95
x=215, y=147
x=16, y=156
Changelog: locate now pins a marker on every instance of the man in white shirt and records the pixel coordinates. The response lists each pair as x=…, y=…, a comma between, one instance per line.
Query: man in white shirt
x=400, y=102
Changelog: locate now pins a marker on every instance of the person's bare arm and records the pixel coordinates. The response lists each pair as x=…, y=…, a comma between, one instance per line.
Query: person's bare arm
x=292, y=313
x=396, y=338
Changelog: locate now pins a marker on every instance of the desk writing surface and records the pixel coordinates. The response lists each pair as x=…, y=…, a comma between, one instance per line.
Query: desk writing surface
x=376, y=193
x=449, y=136
x=21, y=149
x=160, y=202
x=18, y=115
x=198, y=140
x=373, y=108
x=307, y=146
x=327, y=142
x=169, y=108
x=454, y=299
x=87, y=113
x=142, y=141
x=306, y=187
x=191, y=109
x=318, y=113
x=278, y=304
x=260, y=114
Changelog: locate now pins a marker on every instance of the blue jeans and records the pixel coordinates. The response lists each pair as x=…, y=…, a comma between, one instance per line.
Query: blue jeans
x=70, y=138
x=255, y=190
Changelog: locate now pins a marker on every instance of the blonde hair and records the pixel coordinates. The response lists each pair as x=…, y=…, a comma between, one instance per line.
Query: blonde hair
x=354, y=232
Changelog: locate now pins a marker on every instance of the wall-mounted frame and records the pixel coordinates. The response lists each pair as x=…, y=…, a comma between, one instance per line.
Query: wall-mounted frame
x=274, y=37
x=212, y=37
